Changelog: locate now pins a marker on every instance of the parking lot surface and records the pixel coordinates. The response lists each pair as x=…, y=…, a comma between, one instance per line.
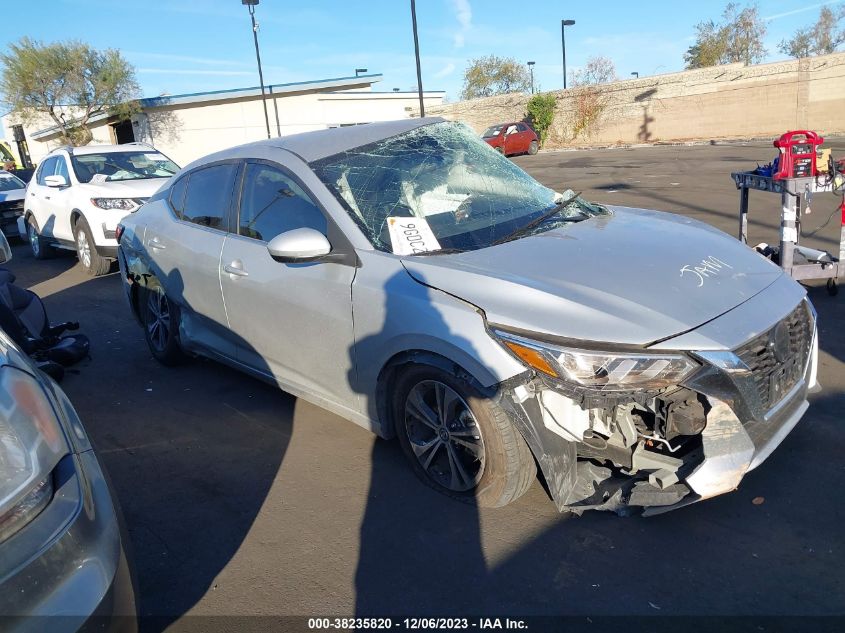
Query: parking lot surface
x=240, y=499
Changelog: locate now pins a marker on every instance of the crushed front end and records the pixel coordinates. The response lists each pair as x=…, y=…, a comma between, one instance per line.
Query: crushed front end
x=663, y=448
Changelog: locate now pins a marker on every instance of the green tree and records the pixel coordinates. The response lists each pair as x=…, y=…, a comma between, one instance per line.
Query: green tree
x=492, y=75
x=737, y=38
x=68, y=81
x=823, y=38
x=540, y=111
x=711, y=42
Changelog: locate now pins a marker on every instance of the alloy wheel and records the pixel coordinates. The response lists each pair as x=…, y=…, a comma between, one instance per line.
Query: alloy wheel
x=444, y=435
x=158, y=319
x=83, y=248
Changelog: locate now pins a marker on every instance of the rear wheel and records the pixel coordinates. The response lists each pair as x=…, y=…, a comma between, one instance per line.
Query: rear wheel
x=458, y=441
x=533, y=147
x=92, y=262
x=160, y=318
x=41, y=249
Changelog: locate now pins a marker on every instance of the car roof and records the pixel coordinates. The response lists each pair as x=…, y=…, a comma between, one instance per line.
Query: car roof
x=311, y=146
x=105, y=149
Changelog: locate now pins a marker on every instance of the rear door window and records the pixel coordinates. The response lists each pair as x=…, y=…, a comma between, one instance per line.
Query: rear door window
x=208, y=196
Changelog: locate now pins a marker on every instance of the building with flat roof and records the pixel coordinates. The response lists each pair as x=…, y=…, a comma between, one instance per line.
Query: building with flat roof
x=188, y=126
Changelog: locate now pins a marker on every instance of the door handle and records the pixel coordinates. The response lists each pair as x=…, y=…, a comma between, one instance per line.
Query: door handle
x=32, y=194
x=156, y=244
x=236, y=269
x=46, y=197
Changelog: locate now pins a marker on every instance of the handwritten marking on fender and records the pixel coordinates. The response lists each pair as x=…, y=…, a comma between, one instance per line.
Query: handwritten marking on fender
x=708, y=267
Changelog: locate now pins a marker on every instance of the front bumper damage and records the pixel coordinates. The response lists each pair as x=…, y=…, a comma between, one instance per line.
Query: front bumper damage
x=661, y=451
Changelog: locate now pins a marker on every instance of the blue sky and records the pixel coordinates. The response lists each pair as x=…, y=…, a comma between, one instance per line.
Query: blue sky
x=193, y=45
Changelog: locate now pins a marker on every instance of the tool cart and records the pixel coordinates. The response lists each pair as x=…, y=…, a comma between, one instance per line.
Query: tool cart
x=795, y=174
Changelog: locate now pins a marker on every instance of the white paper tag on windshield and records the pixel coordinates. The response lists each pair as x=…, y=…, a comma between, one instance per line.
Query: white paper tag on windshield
x=411, y=235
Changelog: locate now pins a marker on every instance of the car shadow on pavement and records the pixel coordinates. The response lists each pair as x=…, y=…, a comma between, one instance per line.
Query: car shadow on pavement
x=192, y=450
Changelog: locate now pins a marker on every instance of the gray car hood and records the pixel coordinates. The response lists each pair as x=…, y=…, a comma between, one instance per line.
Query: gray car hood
x=12, y=194
x=632, y=278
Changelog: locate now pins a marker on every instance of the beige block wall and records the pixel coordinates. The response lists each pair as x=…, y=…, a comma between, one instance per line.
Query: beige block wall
x=731, y=101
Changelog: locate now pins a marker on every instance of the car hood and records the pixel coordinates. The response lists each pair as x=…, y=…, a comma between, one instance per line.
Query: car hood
x=141, y=188
x=633, y=277
x=12, y=195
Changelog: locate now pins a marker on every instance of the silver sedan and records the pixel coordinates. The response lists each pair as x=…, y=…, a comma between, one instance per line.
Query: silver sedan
x=410, y=279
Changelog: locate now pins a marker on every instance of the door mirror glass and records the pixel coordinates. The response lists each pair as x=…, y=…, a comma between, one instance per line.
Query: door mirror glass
x=299, y=245
x=5, y=249
x=55, y=181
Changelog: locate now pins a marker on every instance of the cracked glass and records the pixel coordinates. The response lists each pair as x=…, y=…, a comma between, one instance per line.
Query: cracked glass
x=446, y=177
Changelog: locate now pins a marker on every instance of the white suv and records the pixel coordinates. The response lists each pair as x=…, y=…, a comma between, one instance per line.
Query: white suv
x=79, y=194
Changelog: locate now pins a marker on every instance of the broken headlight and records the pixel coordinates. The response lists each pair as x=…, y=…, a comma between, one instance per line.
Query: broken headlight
x=31, y=444
x=598, y=370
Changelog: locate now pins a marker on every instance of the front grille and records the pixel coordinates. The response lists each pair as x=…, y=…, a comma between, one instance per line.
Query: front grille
x=777, y=365
x=11, y=209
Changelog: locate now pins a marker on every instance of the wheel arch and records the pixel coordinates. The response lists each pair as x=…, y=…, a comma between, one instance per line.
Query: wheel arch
x=75, y=214
x=391, y=370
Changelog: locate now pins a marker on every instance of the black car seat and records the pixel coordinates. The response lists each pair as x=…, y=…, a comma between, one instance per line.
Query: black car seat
x=24, y=319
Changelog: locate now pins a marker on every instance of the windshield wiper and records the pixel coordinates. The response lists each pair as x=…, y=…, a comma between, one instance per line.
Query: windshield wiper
x=537, y=221
x=441, y=251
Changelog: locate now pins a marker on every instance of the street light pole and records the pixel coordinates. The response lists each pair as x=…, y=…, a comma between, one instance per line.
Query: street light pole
x=251, y=6
x=531, y=69
x=417, y=54
x=563, y=25
x=635, y=74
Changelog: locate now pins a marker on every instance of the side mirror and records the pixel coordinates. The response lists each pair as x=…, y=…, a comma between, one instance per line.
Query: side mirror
x=299, y=245
x=5, y=249
x=55, y=181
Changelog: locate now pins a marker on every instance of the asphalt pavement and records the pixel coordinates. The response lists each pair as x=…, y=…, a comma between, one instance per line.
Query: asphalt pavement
x=242, y=500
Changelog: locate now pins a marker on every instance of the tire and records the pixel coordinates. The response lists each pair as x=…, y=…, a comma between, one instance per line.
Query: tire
x=92, y=262
x=496, y=465
x=501, y=150
x=533, y=148
x=160, y=318
x=40, y=247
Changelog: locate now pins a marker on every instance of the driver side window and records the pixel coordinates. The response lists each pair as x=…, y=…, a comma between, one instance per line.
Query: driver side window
x=272, y=203
x=46, y=169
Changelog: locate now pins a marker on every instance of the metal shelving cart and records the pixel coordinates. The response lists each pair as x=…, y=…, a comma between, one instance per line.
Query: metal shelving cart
x=819, y=264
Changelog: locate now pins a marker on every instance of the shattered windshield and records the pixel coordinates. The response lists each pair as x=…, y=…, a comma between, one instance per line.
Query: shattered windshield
x=440, y=188
x=112, y=166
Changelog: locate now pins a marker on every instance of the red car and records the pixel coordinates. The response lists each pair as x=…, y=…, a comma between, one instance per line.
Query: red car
x=512, y=138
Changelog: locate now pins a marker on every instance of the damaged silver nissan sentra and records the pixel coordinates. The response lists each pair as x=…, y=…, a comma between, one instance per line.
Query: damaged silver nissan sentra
x=406, y=276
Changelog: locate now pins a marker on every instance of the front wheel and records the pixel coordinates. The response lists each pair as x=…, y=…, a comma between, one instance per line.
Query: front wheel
x=92, y=262
x=160, y=318
x=458, y=441
x=533, y=148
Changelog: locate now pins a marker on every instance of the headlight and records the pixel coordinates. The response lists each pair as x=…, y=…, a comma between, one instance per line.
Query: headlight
x=124, y=204
x=31, y=444
x=602, y=371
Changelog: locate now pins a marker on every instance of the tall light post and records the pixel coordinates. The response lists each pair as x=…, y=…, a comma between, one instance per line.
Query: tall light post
x=360, y=70
x=251, y=6
x=563, y=25
x=635, y=74
x=531, y=70
x=417, y=54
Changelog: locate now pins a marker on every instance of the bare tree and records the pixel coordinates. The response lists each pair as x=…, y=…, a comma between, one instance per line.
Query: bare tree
x=598, y=70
